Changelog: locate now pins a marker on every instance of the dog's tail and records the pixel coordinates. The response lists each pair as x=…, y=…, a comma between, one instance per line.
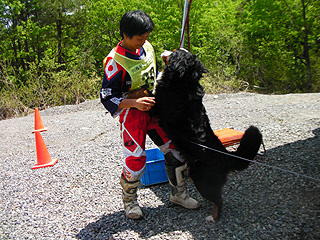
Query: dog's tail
x=248, y=148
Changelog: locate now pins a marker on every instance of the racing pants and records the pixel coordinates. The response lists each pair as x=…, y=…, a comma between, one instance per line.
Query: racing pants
x=135, y=125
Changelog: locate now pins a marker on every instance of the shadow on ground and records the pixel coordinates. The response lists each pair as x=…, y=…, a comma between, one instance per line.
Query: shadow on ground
x=260, y=202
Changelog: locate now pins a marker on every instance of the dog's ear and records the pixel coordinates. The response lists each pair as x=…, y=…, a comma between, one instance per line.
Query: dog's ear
x=198, y=69
x=183, y=68
x=192, y=67
x=179, y=63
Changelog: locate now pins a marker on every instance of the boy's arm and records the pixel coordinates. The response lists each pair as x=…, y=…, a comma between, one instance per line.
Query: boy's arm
x=112, y=86
x=143, y=104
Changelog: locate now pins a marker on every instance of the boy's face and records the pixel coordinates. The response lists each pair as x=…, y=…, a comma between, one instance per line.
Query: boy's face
x=136, y=42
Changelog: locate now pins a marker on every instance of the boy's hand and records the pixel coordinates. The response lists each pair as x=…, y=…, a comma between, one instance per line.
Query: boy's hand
x=138, y=93
x=145, y=103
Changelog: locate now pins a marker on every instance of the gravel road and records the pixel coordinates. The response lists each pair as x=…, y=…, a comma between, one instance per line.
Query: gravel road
x=80, y=196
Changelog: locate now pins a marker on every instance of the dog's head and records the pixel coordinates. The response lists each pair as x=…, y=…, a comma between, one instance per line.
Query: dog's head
x=184, y=68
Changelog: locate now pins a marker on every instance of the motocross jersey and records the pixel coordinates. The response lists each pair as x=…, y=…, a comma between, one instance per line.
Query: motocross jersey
x=124, y=71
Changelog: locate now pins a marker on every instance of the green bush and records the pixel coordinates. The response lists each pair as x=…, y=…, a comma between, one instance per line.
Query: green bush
x=46, y=86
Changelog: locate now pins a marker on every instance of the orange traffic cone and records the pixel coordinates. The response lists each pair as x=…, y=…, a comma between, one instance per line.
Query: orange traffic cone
x=38, y=125
x=43, y=156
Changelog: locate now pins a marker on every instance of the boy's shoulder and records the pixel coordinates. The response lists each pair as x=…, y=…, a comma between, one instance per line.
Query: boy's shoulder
x=111, y=67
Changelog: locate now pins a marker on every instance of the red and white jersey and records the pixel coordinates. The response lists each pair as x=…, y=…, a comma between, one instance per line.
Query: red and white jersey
x=116, y=79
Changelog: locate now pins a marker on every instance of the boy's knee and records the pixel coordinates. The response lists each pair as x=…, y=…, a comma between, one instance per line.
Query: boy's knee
x=134, y=167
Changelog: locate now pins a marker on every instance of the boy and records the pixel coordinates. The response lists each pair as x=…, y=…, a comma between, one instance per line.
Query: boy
x=130, y=68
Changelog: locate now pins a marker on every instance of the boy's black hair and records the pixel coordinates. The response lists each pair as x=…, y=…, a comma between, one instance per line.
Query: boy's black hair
x=135, y=23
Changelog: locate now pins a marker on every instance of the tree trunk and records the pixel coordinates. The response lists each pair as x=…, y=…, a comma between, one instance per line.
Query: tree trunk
x=59, y=36
x=306, y=45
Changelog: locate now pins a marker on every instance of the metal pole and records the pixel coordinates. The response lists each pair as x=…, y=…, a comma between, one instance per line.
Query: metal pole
x=186, y=3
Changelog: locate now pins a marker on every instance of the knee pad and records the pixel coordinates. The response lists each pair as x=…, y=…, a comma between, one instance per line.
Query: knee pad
x=133, y=168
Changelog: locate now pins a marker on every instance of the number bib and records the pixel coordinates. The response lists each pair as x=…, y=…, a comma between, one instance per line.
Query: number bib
x=142, y=72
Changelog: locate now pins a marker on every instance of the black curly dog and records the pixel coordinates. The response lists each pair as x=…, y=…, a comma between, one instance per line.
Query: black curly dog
x=183, y=117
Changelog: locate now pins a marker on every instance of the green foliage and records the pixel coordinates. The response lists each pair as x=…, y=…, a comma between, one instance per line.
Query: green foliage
x=45, y=86
x=52, y=51
x=275, y=56
x=218, y=43
x=219, y=85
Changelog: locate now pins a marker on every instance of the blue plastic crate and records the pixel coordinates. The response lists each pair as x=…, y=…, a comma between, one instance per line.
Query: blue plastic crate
x=155, y=172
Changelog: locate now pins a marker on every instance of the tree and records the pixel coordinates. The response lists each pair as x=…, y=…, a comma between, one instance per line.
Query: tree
x=278, y=42
x=18, y=32
x=51, y=51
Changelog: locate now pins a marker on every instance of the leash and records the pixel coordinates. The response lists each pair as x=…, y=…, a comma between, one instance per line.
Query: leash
x=263, y=164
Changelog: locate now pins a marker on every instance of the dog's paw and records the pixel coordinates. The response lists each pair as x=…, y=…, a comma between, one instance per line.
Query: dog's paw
x=210, y=219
